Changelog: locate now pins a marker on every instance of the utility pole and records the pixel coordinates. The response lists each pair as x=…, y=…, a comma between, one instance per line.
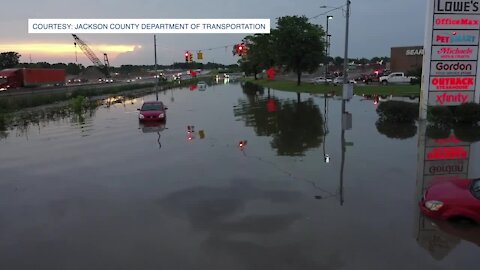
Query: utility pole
x=345, y=61
x=156, y=72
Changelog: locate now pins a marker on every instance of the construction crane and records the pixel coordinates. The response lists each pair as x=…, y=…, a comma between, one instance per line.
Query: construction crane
x=104, y=67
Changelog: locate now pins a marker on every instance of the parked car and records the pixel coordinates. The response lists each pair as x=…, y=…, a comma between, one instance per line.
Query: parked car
x=455, y=199
x=321, y=80
x=152, y=111
x=396, y=78
x=339, y=80
x=369, y=78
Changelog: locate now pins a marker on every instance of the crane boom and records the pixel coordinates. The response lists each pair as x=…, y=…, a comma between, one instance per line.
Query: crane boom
x=104, y=67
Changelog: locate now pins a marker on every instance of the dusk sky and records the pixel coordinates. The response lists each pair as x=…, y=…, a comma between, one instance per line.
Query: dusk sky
x=376, y=26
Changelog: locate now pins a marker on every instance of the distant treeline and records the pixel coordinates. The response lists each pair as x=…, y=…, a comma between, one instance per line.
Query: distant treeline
x=75, y=69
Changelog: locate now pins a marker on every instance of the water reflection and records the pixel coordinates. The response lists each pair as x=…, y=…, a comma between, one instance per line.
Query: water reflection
x=295, y=126
x=446, y=188
x=153, y=127
x=230, y=230
x=397, y=119
x=79, y=113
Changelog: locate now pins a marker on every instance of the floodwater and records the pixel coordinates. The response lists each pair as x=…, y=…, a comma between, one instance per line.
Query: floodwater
x=235, y=179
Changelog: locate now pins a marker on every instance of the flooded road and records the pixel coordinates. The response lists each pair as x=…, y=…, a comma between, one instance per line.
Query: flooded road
x=236, y=178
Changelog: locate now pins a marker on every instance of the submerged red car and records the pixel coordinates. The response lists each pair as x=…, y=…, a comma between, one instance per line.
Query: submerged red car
x=456, y=199
x=152, y=111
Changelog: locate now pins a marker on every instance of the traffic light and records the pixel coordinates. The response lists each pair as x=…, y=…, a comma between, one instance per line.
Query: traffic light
x=200, y=55
x=186, y=56
x=240, y=49
x=190, y=57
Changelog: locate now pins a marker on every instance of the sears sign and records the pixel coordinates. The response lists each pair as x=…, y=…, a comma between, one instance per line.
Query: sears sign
x=453, y=68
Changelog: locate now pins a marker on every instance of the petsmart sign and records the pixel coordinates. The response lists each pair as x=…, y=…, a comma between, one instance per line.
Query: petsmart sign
x=450, y=63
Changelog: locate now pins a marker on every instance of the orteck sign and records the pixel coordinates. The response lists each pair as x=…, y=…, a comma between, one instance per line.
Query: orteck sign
x=451, y=54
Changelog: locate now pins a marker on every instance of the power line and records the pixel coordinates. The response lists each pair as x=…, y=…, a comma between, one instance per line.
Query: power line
x=231, y=45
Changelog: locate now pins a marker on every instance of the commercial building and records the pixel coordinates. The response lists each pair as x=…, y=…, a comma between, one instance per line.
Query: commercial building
x=406, y=59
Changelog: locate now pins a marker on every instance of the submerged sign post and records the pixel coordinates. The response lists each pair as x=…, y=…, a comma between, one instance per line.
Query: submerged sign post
x=450, y=64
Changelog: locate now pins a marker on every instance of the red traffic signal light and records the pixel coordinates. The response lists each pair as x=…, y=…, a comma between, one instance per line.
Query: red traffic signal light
x=186, y=56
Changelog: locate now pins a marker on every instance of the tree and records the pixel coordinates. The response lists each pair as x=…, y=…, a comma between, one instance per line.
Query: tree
x=9, y=59
x=260, y=54
x=299, y=44
x=338, y=61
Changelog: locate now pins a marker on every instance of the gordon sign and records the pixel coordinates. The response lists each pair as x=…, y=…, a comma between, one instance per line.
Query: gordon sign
x=453, y=68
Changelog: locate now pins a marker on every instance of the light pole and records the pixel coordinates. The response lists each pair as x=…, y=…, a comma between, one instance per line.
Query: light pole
x=327, y=44
x=345, y=61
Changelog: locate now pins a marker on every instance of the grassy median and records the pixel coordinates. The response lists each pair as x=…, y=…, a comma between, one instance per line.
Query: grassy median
x=291, y=86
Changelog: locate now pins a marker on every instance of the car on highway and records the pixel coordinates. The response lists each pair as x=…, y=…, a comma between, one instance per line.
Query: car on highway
x=321, y=80
x=339, y=80
x=152, y=111
x=454, y=199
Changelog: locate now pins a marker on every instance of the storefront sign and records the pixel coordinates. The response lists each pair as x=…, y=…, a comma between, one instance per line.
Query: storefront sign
x=454, y=52
x=414, y=52
x=452, y=83
x=458, y=6
x=450, y=65
x=450, y=98
x=443, y=21
x=455, y=37
x=446, y=167
x=453, y=68
x=452, y=140
x=447, y=153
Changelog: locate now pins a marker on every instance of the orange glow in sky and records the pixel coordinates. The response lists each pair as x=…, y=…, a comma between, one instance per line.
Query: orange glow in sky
x=56, y=49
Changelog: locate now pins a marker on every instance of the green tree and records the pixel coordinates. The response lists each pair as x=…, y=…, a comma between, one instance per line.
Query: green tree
x=260, y=54
x=74, y=69
x=299, y=44
x=338, y=61
x=9, y=59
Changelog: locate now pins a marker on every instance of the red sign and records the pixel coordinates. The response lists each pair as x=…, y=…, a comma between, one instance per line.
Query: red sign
x=271, y=73
x=455, y=53
x=450, y=98
x=452, y=83
x=456, y=22
x=446, y=153
x=271, y=105
x=449, y=140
